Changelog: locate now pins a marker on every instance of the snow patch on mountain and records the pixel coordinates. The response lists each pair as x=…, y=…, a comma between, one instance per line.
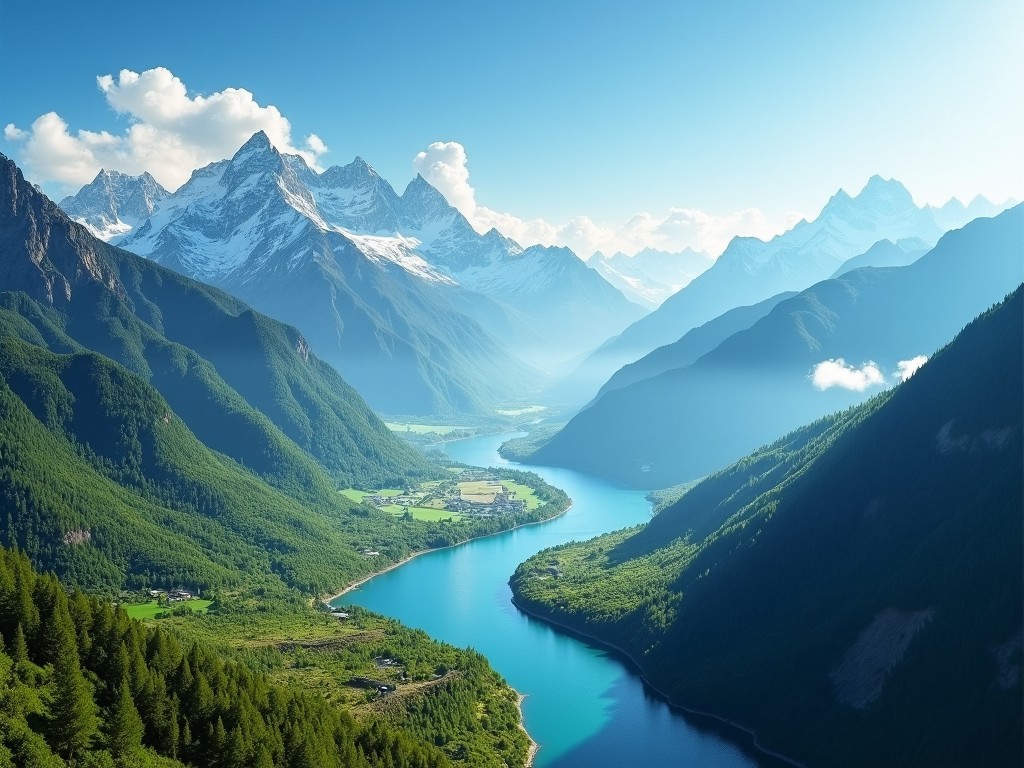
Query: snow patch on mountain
x=113, y=202
x=651, y=276
x=398, y=251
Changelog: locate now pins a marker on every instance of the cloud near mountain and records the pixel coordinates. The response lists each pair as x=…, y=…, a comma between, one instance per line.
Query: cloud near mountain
x=839, y=373
x=907, y=368
x=170, y=133
x=445, y=164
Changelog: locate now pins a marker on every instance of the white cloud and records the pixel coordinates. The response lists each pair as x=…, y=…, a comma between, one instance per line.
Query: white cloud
x=445, y=165
x=837, y=373
x=170, y=133
x=907, y=368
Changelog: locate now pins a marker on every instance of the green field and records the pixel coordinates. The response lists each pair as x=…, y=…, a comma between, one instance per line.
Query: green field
x=523, y=493
x=433, y=511
x=430, y=514
x=421, y=429
x=483, y=491
x=143, y=611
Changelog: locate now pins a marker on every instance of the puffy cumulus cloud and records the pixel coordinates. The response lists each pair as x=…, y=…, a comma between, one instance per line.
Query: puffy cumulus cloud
x=170, y=133
x=907, y=368
x=837, y=373
x=445, y=165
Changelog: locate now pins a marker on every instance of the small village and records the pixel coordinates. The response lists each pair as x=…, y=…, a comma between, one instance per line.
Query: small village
x=473, y=493
x=174, y=595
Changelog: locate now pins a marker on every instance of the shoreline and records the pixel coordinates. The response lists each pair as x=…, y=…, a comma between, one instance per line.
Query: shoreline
x=444, y=439
x=639, y=672
x=534, y=746
x=363, y=579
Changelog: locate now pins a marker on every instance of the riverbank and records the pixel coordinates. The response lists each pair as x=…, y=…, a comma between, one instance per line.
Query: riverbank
x=363, y=579
x=639, y=672
x=582, y=706
x=534, y=746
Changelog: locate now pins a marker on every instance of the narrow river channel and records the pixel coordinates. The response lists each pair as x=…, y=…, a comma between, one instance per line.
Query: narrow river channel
x=583, y=705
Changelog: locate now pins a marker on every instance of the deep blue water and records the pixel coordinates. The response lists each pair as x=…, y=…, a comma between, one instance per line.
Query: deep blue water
x=582, y=705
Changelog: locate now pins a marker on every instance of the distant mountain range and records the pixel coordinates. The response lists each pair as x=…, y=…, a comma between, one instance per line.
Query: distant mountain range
x=693, y=345
x=657, y=425
x=421, y=313
x=651, y=276
x=852, y=592
x=751, y=270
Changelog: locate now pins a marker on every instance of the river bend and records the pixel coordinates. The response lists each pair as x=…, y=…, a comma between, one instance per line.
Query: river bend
x=583, y=706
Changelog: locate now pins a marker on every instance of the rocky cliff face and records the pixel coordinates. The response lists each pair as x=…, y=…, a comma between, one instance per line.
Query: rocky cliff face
x=44, y=254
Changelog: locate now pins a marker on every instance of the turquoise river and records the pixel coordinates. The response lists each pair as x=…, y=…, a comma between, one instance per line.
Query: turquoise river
x=583, y=705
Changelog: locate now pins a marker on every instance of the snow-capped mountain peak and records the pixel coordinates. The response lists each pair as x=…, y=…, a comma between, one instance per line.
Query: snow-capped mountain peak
x=423, y=204
x=879, y=197
x=114, y=202
x=650, y=276
x=751, y=270
x=262, y=220
x=257, y=151
x=355, y=197
x=257, y=162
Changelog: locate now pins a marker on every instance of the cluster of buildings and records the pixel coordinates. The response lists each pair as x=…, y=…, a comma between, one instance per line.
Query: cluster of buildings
x=404, y=500
x=174, y=596
x=504, y=502
x=501, y=505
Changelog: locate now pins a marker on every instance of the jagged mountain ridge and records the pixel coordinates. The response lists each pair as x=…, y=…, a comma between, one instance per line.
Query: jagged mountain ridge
x=751, y=270
x=369, y=304
x=650, y=276
x=114, y=202
x=246, y=385
x=388, y=288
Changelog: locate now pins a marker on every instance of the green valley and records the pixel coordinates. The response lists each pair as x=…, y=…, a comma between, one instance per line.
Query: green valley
x=158, y=435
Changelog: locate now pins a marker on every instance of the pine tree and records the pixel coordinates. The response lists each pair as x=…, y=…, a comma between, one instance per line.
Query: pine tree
x=185, y=742
x=263, y=759
x=124, y=728
x=19, y=648
x=72, y=722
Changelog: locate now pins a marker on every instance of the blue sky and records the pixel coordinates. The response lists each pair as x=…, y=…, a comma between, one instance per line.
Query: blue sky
x=570, y=118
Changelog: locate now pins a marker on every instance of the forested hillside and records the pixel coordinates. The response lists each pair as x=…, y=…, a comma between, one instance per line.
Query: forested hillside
x=851, y=592
x=247, y=386
x=82, y=684
x=156, y=433
x=101, y=481
x=126, y=457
